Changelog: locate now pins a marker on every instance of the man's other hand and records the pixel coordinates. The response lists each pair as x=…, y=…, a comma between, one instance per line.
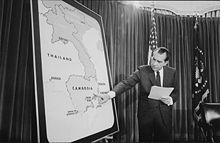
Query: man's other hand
x=167, y=100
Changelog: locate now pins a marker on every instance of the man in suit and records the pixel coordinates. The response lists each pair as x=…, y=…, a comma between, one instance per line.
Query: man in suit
x=154, y=116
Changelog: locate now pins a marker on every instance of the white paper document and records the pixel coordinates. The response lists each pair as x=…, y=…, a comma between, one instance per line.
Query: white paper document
x=157, y=92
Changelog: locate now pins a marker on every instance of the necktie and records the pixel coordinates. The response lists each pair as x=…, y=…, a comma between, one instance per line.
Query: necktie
x=158, y=83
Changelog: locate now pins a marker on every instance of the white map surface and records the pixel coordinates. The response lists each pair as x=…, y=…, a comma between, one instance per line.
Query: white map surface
x=74, y=72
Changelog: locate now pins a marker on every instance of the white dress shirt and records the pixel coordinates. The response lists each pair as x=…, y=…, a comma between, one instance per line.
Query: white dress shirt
x=161, y=76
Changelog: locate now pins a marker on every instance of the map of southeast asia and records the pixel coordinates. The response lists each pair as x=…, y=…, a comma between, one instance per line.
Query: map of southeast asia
x=74, y=72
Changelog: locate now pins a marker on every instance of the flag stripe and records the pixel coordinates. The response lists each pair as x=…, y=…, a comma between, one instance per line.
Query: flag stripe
x=153, y=36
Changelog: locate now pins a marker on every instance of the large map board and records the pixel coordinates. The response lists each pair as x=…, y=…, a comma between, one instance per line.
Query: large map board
x=71, y=71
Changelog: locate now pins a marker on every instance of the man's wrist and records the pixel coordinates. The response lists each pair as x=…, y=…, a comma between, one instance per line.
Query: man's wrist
x=111, y=94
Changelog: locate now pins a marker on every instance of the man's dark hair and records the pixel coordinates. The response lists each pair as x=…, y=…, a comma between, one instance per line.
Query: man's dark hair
x=162, y=50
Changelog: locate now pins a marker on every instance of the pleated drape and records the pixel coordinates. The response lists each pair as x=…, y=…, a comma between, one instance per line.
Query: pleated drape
x=209, y=38
x=176, y=33
x=17, y=104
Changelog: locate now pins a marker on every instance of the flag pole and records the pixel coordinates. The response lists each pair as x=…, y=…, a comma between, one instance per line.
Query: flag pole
x=200, y=77
x=153, y=34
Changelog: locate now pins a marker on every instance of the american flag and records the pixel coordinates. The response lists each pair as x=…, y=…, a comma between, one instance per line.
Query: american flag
x=200, y=77
x=153, y=35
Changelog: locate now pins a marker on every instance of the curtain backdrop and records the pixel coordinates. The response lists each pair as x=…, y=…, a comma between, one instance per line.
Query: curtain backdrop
x=210, y=44
x=17, y=104
x=127, y=32
x=176, y=33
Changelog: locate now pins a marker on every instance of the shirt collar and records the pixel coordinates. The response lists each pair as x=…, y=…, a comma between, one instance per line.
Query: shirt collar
x=161, y=71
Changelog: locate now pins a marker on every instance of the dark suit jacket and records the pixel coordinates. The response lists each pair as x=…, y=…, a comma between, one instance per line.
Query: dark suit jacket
x=146, y=77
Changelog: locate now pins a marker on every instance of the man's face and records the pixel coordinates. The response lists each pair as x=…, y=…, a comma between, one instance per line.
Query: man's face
x=158, y=61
